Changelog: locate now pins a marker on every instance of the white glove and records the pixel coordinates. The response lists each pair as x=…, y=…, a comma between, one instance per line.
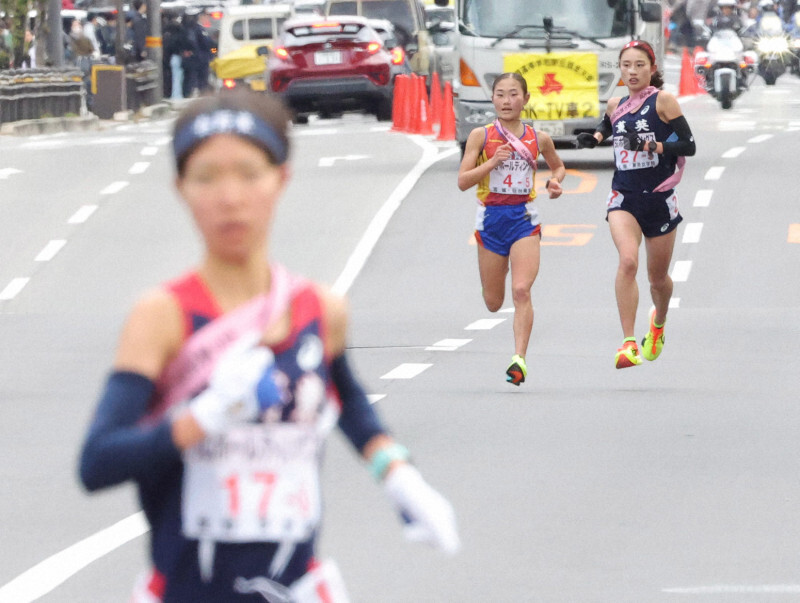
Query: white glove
x=428, y=515
x=231, y=396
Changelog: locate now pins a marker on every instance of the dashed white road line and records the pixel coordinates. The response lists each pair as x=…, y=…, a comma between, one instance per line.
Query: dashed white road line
x=715, y=173
x=702, y=198
x=447, y=345
x=691, y=234
x=149, y=151
x=82, y=214
x=760, y=138
x=680, y=271
x=139, y=167
x=484, y=324
x=114, y=187
x=407, y=370
x=13, y=288
x=50, y=250
x=733, y=152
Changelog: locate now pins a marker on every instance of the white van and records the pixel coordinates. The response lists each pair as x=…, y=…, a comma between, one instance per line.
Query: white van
x=251, y=24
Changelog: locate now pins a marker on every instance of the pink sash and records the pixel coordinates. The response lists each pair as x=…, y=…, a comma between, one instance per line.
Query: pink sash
x=515, y=142
x=633, y=104
x=190, y=370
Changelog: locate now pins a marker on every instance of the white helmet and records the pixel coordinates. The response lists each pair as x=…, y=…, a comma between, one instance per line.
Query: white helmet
x=731, y=3
x=766, y=5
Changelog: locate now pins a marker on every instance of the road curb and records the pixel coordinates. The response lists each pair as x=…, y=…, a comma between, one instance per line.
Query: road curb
x=79, y=123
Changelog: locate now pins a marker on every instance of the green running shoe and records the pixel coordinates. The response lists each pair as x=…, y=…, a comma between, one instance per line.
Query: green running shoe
x=517, y=370
x=628, y=354
x=653, y=342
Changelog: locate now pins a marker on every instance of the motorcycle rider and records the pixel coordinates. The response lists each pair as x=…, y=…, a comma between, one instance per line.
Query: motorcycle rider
x=726, y=17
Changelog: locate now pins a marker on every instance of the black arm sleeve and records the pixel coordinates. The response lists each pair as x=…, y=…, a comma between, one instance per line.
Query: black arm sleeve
x=604, y=127
x=683, y=142
x=358, y=421
x=117, y=448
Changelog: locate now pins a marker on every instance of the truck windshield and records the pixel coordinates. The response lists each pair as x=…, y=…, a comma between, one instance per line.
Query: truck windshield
x=588, y=18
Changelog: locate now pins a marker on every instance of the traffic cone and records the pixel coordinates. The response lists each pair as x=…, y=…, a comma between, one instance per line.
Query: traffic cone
x=400, y=109
x=436, y=100
x=423, y=108
x=447, y=131
x=688, y=84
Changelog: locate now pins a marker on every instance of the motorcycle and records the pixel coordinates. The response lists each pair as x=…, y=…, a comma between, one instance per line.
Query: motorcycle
x=773, y=47
x=725, y=67
x=794, y=37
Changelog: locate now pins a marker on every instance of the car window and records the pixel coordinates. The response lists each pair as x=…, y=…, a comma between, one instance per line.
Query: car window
x=398, y=13
x=306, y=34
x=260, y=29
x=279, y=24
x=237, y=29
x=343, y=8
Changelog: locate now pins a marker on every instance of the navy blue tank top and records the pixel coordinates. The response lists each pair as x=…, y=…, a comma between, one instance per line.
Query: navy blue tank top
x=638, y=171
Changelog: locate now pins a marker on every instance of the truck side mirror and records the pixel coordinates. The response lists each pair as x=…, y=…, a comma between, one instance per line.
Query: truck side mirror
x=442, y=3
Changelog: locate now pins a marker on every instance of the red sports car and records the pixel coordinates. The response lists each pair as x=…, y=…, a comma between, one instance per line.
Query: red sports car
x=330, y=65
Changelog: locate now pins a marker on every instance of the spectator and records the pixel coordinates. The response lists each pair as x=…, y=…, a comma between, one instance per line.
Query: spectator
x=197, y=58
x=139, y=29
x=107, y=36
x=175, y=44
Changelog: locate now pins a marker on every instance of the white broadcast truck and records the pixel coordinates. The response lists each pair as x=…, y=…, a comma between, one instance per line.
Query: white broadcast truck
x=567, y=50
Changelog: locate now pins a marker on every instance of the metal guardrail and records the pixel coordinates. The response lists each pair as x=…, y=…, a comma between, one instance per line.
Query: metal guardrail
x=38, y=93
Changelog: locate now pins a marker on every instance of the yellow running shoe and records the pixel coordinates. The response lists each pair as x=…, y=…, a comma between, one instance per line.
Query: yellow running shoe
x=653, y=342
x=628, y=354
x=517, y=370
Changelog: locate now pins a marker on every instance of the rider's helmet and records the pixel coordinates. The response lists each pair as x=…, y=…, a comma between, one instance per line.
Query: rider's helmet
x=724, y=3
x=766, y=6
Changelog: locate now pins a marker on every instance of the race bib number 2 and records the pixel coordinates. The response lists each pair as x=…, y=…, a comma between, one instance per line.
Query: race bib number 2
x=634, y=160
x=253, y=484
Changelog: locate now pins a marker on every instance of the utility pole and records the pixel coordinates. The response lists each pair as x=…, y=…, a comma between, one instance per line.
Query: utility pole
x=154, y=45
x=55, y=46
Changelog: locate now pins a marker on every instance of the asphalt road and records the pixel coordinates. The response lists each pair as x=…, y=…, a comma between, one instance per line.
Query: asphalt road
x=673, y=481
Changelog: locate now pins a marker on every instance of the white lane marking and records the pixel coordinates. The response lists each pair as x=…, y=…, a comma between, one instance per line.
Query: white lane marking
x=6, y=172
x=364, y=247
x=680, y=271
x=375, y=397
x=703, y=197
x=674, y=302
x=139, y=167
x=718, y=589
x=329, y=161
x=12, y=288
x=149, y=151
x=733, y=152
x=114, y=187
x=760, y=138
x=407, y=370
x=82, y=214
x=714, y=173
x=47, y=575
x=315, y=132
x=508, y=310
x=484, y=324
x=736, y=126
x=691, y=234
x=50, y=250
x=162, y=141
x=447, y=345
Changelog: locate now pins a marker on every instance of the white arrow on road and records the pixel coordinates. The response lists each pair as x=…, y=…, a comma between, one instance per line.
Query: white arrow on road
x=6, y=172
x=328, y=161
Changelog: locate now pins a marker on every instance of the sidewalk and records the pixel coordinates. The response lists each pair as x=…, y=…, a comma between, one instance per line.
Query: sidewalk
x=52, y=125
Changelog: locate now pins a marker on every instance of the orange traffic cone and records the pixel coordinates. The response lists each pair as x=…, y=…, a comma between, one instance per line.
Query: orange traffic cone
x=436, y=100
x=400, y=112
x=423, y=109
x=447, y=131
x=688, y=84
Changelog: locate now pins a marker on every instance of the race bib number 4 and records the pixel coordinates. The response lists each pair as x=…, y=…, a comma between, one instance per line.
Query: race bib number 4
x=255, y=483
x=512, y=177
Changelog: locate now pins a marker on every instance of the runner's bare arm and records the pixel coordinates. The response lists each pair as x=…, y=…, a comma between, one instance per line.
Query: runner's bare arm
x=548, y=150
x=667, y=107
